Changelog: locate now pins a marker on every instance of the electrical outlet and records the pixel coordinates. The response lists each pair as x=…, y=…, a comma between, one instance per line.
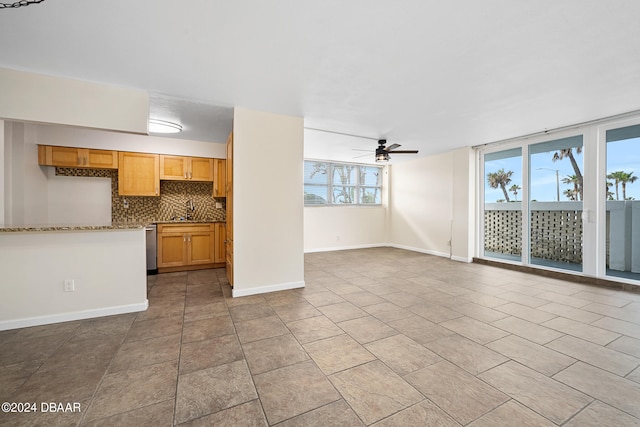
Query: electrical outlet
x=125, y=204
x=69, y=285
x=338, y=238
x=218, y=205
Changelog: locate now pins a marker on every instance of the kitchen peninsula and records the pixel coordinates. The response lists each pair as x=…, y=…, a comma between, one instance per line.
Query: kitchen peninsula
x=60, y=273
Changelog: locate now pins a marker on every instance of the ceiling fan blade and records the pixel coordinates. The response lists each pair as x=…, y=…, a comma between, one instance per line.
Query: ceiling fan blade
x=392, y=147
x=404, y=152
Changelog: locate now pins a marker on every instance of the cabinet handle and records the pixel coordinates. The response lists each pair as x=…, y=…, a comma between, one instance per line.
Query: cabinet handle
x=156, y=191
x=190, y=175
x=184, y=238
x=189, y=238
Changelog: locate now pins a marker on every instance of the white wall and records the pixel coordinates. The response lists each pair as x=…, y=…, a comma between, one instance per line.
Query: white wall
x=108, y=268
x=430, y=203
x=2, y=172
x=268, y=202
x=337, y=227
x=46, y=99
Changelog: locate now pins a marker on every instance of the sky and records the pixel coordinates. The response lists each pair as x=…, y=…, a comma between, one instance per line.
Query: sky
x=621, y=156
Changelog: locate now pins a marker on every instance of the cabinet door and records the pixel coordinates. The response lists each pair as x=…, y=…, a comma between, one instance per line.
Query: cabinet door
x=220, y=178
x=200, y=247
x=174, y=167
x=220, y=238
x=100, y=159
x=172, y=249
x=201, y=169
x=62, y=156
x=138, y=174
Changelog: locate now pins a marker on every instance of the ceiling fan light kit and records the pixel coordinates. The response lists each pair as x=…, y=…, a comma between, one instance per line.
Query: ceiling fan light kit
x=382, y=152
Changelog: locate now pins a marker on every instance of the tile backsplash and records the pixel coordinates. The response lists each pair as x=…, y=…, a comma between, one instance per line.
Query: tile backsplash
x=172, y=202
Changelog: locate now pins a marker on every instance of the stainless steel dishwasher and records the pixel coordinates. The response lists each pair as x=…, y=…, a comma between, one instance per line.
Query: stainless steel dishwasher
x=152, y=248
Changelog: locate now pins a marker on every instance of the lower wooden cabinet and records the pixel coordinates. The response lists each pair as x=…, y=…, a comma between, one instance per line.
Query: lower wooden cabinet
x=189, y=246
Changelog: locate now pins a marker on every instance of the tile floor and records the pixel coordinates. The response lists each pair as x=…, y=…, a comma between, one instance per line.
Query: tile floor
x=378, y=337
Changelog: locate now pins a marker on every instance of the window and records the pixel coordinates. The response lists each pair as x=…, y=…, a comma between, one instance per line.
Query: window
x=327, y=183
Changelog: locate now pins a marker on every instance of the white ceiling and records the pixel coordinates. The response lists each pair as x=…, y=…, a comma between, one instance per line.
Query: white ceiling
x=430, y=75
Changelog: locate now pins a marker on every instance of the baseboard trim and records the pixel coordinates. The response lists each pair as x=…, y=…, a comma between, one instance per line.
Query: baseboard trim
x=266, y=289
x=75, y=315
x=345, y=248
x=424, y=251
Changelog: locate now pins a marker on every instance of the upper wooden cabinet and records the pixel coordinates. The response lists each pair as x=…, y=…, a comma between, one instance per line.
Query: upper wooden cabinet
x=138, y=174
x=72, y=157
x=220, y=178
x=181, y=168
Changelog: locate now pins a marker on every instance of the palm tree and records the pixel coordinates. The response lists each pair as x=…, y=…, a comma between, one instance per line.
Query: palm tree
x=500, y=179
x=609, y=193
x=571, y=194
x=568, y=153
x=621, y=177
x=514, y=189
x=572, y=179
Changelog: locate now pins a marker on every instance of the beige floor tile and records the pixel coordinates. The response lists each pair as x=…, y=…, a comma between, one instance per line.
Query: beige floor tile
x=103, y=326
x=627, y=345
x=615, y=301
x=273, y=353
x=619, y=326
x=296, y=311
x=367, y=329
x=402, y=354
x=313, y=329
x=293, y=390
x=401, y=299
x=334, y=414
x=65, y=384
x=475, y=330
x=532, y=355
x=520, y=298
x=204, y=354
x=127, y=390
x=420, y=329
x=241, y=313
x=387, y=312
x=363, y=298
x=323, y=298
x=145, y=329
x=259, y=329
x=526, y=313
x=634, y=375
x=158, y=414
x=248, y=414
x=514, y=414
x=13, y=376
x=479, y=312
x=576, y=314
x=204, y=329
x=598, y=414
x=611, y=389
x=480, y=298
x=424, y=413
x=434, y=313
x=34, y=348
x=466, y=354
x=629, y=313
x=213, y=389
x=205, y=311
x=563, y=299
x=374, y=391
x=90, y=354
x=525, y=329
x=594, y=354
x=581, y=330
x=547, y=397
x=460, y=394
x=146, y=352
x=337, y=353
x=342, y=311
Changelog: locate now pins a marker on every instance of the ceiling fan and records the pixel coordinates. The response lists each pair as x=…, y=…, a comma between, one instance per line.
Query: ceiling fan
x=382, y=152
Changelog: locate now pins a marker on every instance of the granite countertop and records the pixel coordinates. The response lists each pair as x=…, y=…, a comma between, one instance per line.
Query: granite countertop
x=113, y=226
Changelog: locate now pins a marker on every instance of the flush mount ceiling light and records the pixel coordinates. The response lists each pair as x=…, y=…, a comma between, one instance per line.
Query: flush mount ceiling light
x=19, y=3
x=163, y=126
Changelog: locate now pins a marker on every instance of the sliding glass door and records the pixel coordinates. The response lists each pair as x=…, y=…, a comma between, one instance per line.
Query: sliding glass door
x=502, y=204
x=622, y=243
x=555, y=203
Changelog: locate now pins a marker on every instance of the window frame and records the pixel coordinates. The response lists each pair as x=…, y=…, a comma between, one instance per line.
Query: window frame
x=357, y=187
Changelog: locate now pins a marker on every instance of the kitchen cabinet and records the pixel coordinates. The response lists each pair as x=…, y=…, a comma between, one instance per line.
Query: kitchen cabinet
x=138, y=174
x=219, y=178
x=229, y=228
x=187, y=246
x=72, y=157
x=220, y=242
x=181, y=168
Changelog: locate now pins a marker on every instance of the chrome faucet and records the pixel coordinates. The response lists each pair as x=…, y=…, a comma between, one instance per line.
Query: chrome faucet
x=191, y=207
